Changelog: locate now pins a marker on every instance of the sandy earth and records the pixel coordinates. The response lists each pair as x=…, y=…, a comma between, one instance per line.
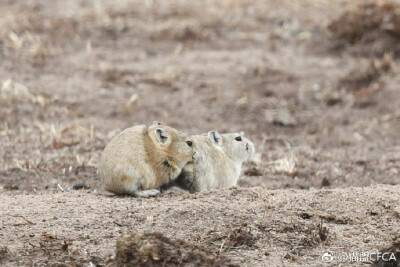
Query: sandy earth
x=322, y=108
x=281, y=226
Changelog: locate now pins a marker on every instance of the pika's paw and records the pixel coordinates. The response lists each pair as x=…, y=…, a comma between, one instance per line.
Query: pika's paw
x=147, y=193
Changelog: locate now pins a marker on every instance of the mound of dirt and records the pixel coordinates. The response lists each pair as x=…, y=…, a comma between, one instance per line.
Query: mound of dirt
x=154, y=249
x=371, y=29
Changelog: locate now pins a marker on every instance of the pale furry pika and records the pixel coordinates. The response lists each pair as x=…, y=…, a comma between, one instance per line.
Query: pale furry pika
x=218, y=163
x=141, y=159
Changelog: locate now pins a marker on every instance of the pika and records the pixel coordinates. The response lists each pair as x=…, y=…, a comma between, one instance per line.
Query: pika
x=218, y=162
x=141, y=159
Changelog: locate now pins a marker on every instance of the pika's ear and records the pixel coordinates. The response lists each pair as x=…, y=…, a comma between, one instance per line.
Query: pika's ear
x=156, y=123
x=162, y=136
x=215, y=138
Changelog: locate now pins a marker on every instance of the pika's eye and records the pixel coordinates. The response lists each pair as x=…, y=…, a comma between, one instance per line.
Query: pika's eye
x=239, y=138
x=189, y=143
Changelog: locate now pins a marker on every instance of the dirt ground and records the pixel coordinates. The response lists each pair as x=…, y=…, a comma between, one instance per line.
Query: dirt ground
x=314, y=84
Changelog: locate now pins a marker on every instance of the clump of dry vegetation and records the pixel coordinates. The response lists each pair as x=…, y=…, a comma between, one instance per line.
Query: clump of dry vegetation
x=365, y=80
x=4, y=254
x=365, y=74
x=12, y=92
x=314, y=235
x=372, y=28
x=155, y=249
x=35, y=36
x=184, y=33
x=234, y=238
x=116, y=76
x=253, y=171
x=288, y=164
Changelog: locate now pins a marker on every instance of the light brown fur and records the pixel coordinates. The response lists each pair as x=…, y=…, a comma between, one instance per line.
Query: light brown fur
x=141, y=159
x=218, y=162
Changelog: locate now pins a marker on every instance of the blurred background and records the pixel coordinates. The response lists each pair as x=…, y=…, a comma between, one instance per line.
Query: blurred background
x=314, y=84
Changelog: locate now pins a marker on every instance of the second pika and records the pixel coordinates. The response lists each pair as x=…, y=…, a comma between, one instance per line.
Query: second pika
x=140, y=159
x=218, y=164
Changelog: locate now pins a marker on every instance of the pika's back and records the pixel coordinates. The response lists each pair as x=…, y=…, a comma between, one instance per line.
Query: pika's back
x=128, y=137
x=123, y=149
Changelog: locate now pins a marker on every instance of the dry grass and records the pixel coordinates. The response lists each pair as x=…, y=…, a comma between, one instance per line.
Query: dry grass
x=155, y=249
x=58, y=148
x=234, y=238
x=287, y=165
x=35, y=37
x=365, y=74
x=373, y=28
x=183, y=33
x=365, y=80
